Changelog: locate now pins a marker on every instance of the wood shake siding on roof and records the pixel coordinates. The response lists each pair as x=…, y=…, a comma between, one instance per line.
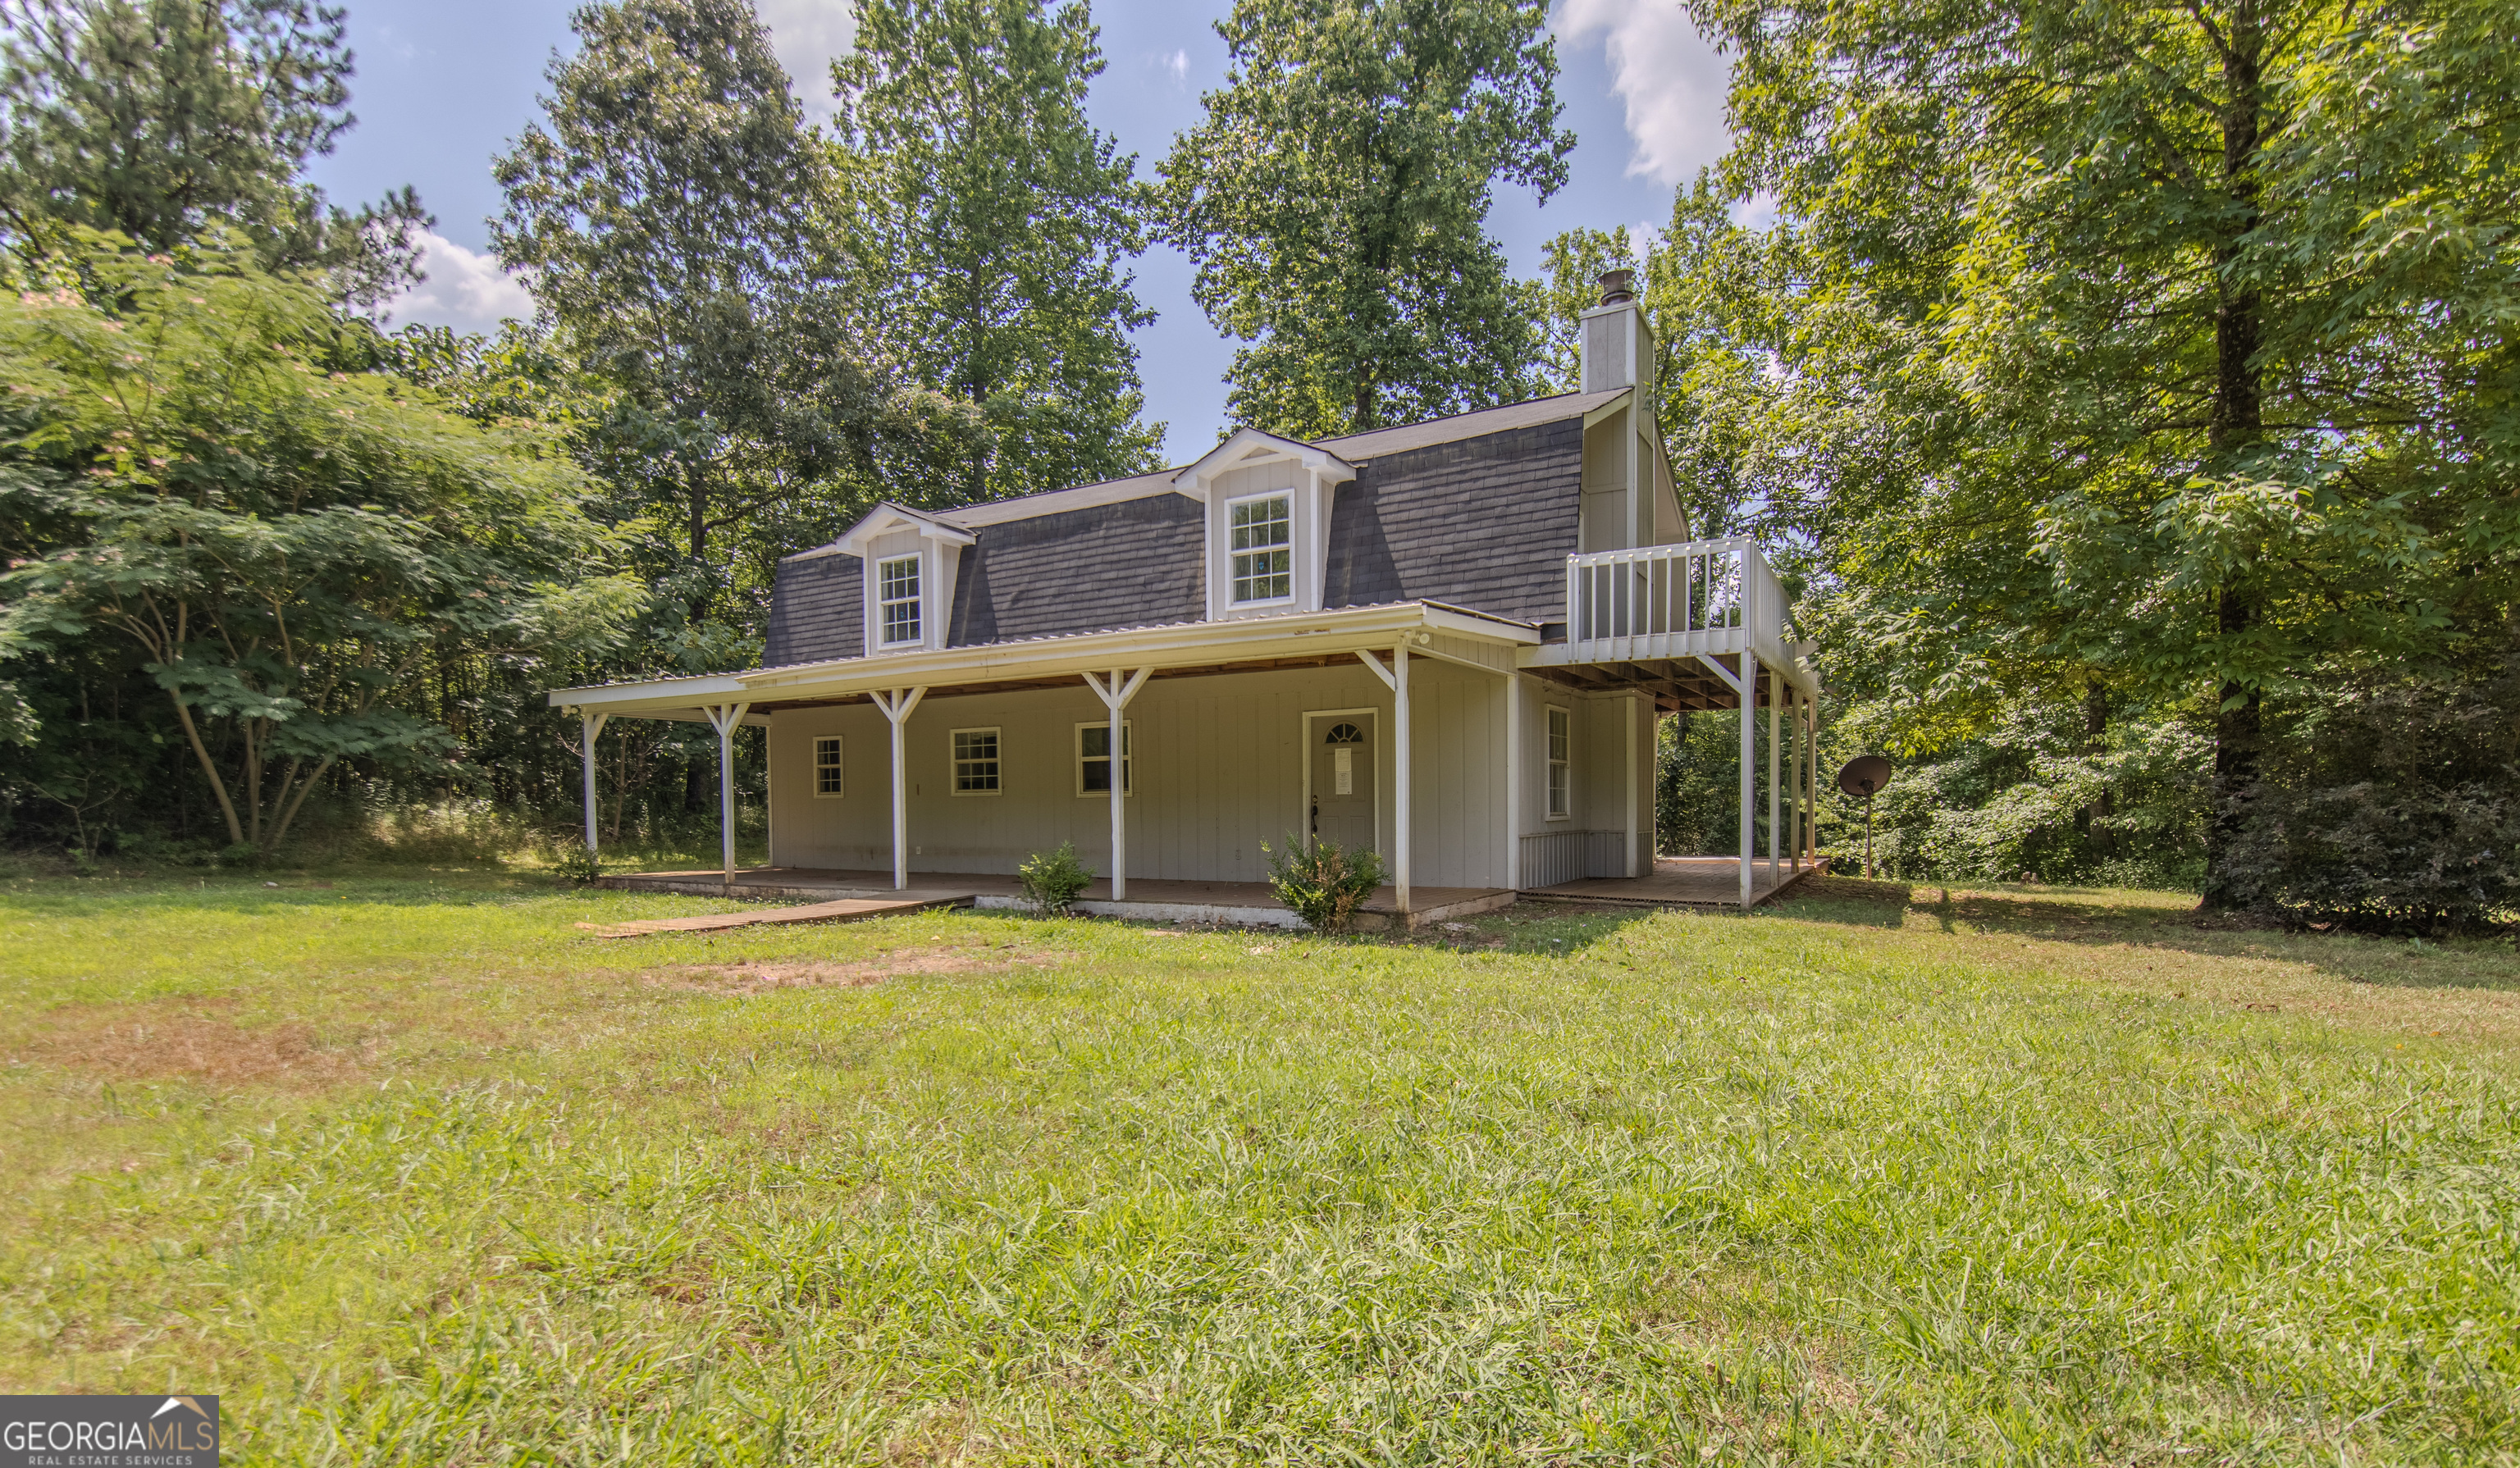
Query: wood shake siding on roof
x=817, y=612
x=1134, y=563
x=1485, y=523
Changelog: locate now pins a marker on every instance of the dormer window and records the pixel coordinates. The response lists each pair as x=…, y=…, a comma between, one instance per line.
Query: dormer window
x=1262, y=537
x=897, y=600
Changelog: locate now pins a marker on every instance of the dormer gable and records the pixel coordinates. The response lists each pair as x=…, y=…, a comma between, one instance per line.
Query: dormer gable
x=912, y=559
x=1267, y=517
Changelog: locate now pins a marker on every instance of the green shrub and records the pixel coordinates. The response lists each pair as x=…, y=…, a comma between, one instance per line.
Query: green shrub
x=1322, y=882
x=1053, y=878
x=577, y=863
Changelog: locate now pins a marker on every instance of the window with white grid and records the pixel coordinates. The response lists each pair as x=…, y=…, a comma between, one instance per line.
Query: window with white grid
x=1562, y=764
x=975, y=762
x=897, y=600
x=1261, y=535
x=827, y=765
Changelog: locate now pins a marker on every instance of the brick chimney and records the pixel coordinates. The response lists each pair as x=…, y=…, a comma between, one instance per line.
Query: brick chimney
x=1617, y=347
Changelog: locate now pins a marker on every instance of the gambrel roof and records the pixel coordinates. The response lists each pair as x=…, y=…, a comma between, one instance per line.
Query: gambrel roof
x=1478, y=510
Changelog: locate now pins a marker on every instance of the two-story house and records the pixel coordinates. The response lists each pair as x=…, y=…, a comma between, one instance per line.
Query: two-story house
x=1449, y=641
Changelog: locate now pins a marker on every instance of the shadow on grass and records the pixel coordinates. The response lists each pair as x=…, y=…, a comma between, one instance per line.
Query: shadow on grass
x=2167, y=920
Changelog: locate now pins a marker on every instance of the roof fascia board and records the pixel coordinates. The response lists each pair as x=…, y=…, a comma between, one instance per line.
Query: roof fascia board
x=1233, y=454
x=1181, y=644
x=714, y=687
x=1617, y=404
x=887, y=517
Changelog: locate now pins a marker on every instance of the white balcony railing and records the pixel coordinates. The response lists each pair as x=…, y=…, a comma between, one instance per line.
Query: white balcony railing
x=1715, y=597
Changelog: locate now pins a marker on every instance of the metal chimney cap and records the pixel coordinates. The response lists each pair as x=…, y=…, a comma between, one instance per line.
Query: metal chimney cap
x=1617, y=286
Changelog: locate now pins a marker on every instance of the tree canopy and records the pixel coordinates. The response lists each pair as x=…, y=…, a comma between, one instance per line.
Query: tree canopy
x=2166, y=346
x=987, y=225
x=1335, y=200
x=166, y=120
x=201, y=466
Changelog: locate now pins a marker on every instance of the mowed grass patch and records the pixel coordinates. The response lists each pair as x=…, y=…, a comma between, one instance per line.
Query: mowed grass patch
x=1879, y=1176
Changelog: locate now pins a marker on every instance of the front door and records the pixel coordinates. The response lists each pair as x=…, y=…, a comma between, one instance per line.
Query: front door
x=1343, y=778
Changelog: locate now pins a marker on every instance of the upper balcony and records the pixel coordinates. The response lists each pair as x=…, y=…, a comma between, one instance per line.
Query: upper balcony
x=1707, y=599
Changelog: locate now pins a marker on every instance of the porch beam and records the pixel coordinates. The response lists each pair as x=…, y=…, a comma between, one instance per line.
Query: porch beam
x=898, y=704
x=591, y=724
x=724, y=718
x=1115, y=697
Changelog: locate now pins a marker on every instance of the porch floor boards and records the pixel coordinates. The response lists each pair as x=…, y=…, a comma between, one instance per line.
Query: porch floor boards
x=1680, y=881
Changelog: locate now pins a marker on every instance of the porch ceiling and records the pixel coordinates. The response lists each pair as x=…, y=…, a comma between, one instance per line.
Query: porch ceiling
x=1679, y=685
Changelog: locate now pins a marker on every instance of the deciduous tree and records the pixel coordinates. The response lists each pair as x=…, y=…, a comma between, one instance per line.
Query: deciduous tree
x=1335, y=201
x=201, y=468
x=161, y=119
x=988, y=224
x=2170, y=341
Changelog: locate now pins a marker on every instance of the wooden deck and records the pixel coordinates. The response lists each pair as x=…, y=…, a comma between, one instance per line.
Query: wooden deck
x=1153, y=899
x=1681, y=882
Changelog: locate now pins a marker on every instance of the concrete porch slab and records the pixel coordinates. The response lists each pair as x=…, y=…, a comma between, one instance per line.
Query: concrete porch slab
x=1150, y=899
x=1679, y=882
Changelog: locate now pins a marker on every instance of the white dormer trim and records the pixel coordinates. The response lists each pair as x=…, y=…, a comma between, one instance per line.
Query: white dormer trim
x=1310, y=477
x=891, y=532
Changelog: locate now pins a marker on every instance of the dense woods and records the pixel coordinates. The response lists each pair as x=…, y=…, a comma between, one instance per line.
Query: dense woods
x=2128, y=392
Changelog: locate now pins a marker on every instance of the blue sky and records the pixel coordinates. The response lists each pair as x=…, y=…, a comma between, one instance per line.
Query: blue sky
x=443, y=85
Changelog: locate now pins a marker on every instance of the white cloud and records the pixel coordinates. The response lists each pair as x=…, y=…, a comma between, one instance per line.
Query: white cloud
x=807, y=34
x=1645, y=238
x=464, y=291
x=1671, y=81
x=1178, y=64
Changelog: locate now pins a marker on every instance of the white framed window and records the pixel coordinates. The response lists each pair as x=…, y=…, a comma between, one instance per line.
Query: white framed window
x=827, y=779
x=1260, y=533
x=1094, y=759
x=1561, y=763
x=975, y=762
x=897, y=600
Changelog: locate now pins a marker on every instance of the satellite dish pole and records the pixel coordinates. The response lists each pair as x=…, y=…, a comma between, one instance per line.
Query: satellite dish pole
x=1862, y=775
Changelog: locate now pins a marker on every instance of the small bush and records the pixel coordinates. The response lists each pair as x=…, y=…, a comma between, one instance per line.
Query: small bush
x=1324, y=882
x=577, y=863
x=1053, y=878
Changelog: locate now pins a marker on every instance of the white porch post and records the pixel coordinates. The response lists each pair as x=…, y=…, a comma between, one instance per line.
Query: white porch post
x=897, y=707
x=1776, y=773
x=1628, y=717
x=1396, y=679
x=725, y=718
x=1400, y=818
x=1514, y=782
x=1812, y=803
x=1795, y=772
x=592, y=724
x=1115, y=697
x=1748, y=688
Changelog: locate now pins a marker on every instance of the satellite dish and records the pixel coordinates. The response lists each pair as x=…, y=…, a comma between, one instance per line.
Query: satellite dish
x=1863, y=778
x=1863, y=775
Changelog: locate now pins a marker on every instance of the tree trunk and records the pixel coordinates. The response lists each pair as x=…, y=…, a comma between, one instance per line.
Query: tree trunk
x=696, y=485
x=2238, y=424
x=2092, y=822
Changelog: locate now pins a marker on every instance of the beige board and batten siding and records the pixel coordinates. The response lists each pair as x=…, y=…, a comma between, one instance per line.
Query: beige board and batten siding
x=1608, y=827
x=1283, y=477
x=1219, y=770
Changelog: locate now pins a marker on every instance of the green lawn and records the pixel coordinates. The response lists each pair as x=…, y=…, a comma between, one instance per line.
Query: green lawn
x=412, y=1171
